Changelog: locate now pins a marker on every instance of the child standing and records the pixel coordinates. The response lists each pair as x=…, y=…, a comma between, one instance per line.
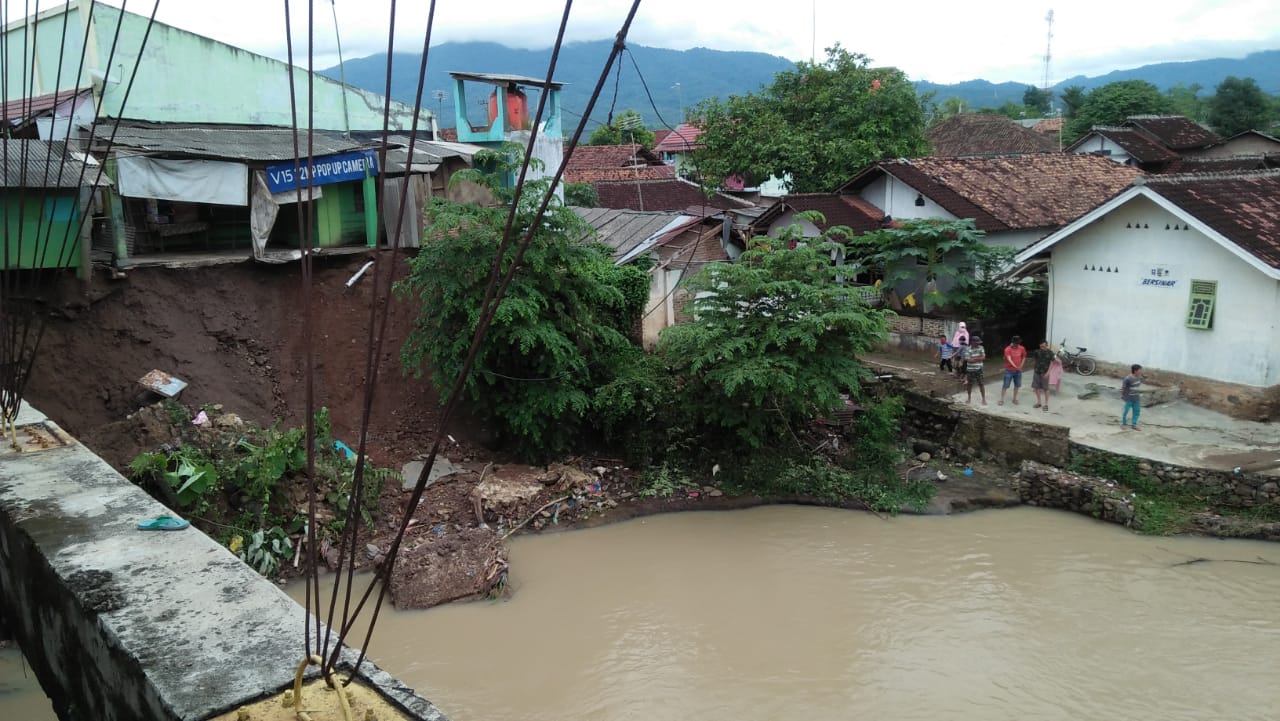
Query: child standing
x=1129, y=393
x=945, y=352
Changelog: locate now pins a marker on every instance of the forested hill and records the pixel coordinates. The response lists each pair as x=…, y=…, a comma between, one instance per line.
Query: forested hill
x=1264, y=67
x=702, y=73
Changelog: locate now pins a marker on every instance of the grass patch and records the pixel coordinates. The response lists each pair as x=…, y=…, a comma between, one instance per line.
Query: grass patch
x=1160, y=508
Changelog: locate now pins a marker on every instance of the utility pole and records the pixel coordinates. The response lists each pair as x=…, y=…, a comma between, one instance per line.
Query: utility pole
x=680, y=98
x=440, y=97
x=342, y=71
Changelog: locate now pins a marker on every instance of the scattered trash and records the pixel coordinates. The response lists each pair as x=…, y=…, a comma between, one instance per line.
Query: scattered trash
x=201, y=419
x=346, y=450
x=163, y=523
x=694, y=494
x=942, y=476
x=160, y=382
x=968, y=471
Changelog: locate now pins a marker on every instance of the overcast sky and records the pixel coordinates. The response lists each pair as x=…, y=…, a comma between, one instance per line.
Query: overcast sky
x=942, y=41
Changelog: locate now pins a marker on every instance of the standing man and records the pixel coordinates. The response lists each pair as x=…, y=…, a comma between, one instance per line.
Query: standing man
x=973, y=369
x=1129, y=393
x=1014, y=357
x=1042, y=361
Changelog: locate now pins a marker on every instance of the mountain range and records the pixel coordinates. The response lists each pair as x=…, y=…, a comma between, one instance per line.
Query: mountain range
x=660, y=83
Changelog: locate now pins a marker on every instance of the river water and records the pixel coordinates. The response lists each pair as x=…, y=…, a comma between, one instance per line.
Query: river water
x=788, y=612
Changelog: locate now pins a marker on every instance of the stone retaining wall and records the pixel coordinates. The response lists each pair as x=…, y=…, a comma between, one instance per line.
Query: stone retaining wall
x=973, y=434
x=1042, y=485
x=1234, y=489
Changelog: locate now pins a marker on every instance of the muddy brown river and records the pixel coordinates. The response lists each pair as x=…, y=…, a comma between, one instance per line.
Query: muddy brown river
x=790, y=612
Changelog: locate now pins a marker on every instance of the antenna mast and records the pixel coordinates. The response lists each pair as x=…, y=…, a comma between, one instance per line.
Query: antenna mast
x=1048, y=49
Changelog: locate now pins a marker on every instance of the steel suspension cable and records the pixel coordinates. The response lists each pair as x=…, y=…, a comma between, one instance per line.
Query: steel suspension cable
x=482, y=328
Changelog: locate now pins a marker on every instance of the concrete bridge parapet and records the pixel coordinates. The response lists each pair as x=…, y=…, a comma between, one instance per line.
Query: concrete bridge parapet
x=119, y=623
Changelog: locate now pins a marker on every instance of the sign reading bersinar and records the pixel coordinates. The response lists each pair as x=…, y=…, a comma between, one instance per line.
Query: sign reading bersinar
x=322, y=171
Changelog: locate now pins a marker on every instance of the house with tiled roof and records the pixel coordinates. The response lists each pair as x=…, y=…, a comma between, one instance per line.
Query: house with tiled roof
x=985, y=134
x=1248, y=143
x=1180, y=273
x=679, y=245
x=599, y=163
x=1015, y=199
x=676, y=146
x=1151, y=142
x=667, y=194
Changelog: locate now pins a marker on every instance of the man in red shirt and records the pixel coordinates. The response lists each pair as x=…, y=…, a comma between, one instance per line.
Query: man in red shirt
x=1014, y=356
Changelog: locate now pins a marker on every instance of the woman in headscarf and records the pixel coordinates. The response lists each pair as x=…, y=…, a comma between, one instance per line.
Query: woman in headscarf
x=961, y=334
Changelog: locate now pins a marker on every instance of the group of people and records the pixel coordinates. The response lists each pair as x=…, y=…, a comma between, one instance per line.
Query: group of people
x=964, y=356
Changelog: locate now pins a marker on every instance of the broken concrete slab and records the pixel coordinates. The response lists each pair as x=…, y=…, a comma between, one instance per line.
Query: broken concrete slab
x=441, y=468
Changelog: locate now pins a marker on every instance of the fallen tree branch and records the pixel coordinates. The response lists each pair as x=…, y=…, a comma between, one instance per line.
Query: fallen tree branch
x=520, y=525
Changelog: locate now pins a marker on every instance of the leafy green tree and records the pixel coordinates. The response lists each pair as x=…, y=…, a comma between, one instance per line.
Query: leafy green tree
x=1237, y=105
x=1072, y=98
x=819, y=124
x=1112, y=103
x=947, y=108
x=774, y=341
x=1038, y=100
x=560, y=332
x=582, y=195
x=1186, y=100
x=937, y=263
x=627, y=129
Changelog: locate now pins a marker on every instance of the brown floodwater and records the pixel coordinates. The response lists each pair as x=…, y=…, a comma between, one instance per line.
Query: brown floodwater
x=807, y=613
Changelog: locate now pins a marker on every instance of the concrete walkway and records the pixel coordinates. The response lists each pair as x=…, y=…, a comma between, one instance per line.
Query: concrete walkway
x=1173, y=431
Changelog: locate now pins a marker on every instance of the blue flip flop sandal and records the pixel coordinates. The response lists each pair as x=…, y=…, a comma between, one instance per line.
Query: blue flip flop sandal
x=163, y=523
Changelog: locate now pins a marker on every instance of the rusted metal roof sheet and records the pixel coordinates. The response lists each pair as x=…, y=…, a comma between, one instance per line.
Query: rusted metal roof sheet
x=226, y=142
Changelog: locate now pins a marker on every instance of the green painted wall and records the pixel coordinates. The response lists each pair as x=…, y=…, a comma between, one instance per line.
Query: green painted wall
x=339, y=220
x=40, y=229
x=184, y=77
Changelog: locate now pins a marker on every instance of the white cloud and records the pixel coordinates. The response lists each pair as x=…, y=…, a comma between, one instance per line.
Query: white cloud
x=942, y=41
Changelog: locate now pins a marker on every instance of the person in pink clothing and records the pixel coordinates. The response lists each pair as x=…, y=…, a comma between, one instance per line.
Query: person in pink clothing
x=961, y=334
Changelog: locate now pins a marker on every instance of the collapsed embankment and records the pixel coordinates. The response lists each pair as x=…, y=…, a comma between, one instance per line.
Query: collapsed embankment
x=235, y=334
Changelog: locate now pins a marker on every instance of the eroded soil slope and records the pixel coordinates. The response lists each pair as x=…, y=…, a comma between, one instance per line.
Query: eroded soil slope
x=235, y=334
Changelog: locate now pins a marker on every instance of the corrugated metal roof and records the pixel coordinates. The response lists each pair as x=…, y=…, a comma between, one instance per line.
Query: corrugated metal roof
x=224, y=142
x=504, y=79
x=623, y=230
x=47, y=165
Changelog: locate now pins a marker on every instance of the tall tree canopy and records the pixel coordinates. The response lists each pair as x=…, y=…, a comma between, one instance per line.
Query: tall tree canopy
x=1110, y=104
x=1238, y=105
x=1038, y=100
x=817, y=124
x=626, y=129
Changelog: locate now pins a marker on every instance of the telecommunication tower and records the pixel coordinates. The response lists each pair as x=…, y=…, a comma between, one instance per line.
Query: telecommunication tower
x=1048, y=49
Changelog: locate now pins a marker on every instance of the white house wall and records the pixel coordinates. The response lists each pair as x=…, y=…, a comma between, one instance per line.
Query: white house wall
x=1123, y=321
x=1099, y=144
x=897, y=199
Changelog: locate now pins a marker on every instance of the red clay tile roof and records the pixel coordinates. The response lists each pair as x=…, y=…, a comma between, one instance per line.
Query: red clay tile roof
x=21, y=109
x=1141, y=147
x=1050, y=126
x=1176, y=132
x=848, y=210
x=683, y=139
x=611, y=156
x=674, y=194
x=596, y=163
x=1244, y=207
x=1016, y=192
x=1227, y=164
x=660, y=135
x=986, y=134
x=602, y=175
